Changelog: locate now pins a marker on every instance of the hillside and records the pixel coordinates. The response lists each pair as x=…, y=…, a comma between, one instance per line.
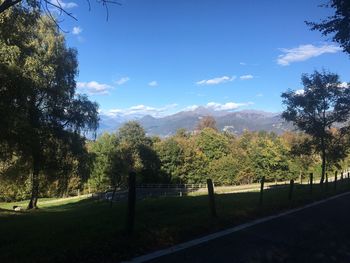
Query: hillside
x=235, y=122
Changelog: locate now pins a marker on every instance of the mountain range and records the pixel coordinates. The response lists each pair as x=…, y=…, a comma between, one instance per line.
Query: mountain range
x=235, y=122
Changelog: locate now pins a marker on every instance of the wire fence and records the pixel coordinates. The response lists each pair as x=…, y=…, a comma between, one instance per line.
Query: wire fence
x=144, y=191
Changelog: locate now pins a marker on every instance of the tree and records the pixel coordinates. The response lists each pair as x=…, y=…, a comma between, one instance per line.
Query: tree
x=39, y=105
x=48, y=5
x=137, y=152
x=323, y=103
x=206, y=122
x=337, y=25
x=268, y=156
x=213, y=144
x=171, y=156
x=301, y=154
x=104, y=155
x=225, y=170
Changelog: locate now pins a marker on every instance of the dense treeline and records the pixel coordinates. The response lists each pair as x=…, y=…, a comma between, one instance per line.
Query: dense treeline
x=183, y=158
x=206, y=153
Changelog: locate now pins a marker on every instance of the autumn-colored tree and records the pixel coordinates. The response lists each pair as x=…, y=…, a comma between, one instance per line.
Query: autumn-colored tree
x=206, y=122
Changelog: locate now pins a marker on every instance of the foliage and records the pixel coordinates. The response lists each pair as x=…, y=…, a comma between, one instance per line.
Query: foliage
x=137, y=152
x=102, y=151
x=212, y=144
x=337, y=25
x=206, y=122
x=43, y=116
x=322, y=104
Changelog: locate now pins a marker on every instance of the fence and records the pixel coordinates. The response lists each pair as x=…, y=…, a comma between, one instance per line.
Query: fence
x=179, y=190
x=136, y=192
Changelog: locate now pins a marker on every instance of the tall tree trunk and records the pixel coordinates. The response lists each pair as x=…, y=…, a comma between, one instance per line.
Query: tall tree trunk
x=323, y=155
x=35, y=185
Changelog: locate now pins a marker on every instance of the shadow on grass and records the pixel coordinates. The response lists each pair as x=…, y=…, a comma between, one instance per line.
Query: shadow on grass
x=91, y=231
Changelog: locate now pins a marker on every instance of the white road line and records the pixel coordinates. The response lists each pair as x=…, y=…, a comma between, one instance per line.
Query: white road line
x=225, y=232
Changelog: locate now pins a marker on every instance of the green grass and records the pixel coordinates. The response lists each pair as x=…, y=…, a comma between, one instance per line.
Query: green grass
x=90, y=231
x=42, y=202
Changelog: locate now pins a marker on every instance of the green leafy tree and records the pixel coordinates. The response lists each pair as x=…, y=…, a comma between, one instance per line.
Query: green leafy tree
x=301, y=153
x=103, y=152
x=337, y=25
x=225, y=170
x=322, y=104
x=171, y=156
x=212, y=143
x=137, y=152
x=269, y=157
x=41, y=109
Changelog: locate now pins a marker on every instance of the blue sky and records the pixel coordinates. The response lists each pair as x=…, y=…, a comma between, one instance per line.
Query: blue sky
x=160, y=56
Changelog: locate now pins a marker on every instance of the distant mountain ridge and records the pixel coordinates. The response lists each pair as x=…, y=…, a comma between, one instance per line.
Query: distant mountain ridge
x=235, y=122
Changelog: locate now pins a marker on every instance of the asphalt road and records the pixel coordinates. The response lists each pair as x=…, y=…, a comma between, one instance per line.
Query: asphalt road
x=316, y=234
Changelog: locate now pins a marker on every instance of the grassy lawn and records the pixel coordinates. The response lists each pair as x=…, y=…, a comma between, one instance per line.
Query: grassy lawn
x=85, y=230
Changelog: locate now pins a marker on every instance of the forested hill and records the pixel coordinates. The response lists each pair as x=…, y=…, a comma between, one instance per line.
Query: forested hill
x=235, y=122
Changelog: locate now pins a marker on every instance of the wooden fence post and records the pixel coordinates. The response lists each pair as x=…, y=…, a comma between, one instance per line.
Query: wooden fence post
x=326, y=181
x=130, y=221
x=335, y=180
x=211, y=197
x=262, y=181
x=311, y=181
x=291, y=186
x=342, y=176
x=348, y=175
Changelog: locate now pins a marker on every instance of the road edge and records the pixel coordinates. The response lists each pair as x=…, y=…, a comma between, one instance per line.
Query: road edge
x=198, y=241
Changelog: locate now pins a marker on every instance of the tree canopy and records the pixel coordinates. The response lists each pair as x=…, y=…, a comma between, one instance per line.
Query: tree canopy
x=40, y=107
x=337, y=25
x=323, y=103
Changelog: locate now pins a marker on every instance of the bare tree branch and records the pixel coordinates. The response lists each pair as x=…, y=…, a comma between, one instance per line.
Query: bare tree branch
x=7, y=4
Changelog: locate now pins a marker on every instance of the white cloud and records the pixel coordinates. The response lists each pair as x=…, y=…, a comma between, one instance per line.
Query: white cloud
x=304, y=52
x=219, y=106
x=343, y=85
x=242, y=63
x=64, y=5
x=77, y=30
x=216, y=81
x=246, y=77
x=259, y=95
x=153, y=83
x=94, y=88
x=299, y=92
x=141, y=110
x=226, y=106
x=191, y=108
x=122, y=80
